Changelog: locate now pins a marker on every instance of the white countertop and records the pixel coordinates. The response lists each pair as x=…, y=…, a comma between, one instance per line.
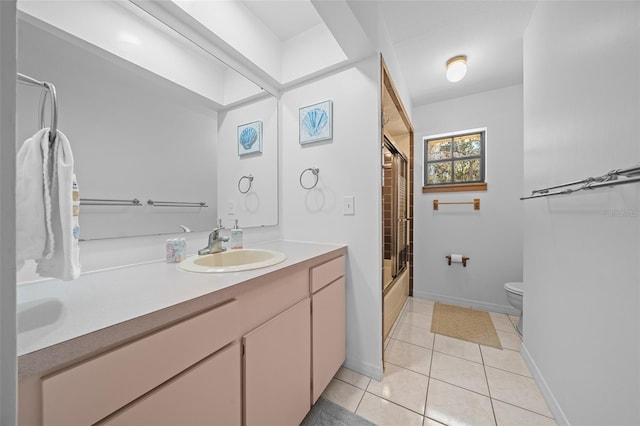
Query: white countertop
x=51, y=312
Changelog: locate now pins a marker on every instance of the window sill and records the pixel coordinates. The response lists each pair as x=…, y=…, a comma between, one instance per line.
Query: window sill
x=459, y=187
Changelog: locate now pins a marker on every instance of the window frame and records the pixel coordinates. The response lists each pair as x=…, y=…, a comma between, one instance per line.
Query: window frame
x=479, y=185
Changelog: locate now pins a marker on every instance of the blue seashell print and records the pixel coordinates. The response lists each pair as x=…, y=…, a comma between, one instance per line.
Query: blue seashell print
x=248, y=137
x=314, y=121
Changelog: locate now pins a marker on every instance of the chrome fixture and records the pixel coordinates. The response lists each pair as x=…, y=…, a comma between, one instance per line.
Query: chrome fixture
x=249, y=180
x=49, y=89
x=107, y=202
x=314, y=171
x=215, y=241
x=156, y=203
x=631, y=174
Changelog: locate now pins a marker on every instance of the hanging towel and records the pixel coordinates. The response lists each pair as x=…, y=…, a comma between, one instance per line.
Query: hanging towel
x=33, y=230
x=64, y=263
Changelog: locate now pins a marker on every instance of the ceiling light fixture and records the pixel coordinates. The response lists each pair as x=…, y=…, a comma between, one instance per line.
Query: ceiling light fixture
x=456, y=68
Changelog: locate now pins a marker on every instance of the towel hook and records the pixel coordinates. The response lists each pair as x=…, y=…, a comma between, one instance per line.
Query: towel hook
x=249, y=179
x=315, y=171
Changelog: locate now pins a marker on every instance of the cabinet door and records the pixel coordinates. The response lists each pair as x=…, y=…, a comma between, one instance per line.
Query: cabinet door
x=277, y=369
x=328, y=331
x=208, y=393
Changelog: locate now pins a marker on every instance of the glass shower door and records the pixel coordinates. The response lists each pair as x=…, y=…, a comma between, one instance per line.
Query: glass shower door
x=395, y=199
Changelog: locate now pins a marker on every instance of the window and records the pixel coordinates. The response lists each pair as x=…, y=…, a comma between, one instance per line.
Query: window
x=455, y=162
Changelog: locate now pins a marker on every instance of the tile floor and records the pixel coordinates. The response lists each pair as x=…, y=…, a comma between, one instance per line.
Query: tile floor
x=432, y=379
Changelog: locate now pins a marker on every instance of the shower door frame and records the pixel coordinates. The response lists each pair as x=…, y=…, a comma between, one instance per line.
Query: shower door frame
x=399, y=250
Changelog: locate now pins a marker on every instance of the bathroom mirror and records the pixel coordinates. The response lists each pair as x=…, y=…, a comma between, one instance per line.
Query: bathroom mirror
x=150, y=116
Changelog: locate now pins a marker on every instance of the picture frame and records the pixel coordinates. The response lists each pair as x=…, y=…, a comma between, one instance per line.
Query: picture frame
x=250, y=138
x=316, y=122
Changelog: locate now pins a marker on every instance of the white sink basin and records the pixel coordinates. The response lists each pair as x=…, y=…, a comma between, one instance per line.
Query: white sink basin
x=232, y=261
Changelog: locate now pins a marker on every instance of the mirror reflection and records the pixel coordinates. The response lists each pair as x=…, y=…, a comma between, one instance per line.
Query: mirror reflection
x=150, y=116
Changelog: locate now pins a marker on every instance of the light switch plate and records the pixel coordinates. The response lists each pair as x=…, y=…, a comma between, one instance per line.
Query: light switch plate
x=349, y=206
x=230, y=208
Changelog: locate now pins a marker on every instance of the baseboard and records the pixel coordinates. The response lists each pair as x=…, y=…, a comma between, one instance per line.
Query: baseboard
x=555, y=408
x=369, y=370
x=459, y=301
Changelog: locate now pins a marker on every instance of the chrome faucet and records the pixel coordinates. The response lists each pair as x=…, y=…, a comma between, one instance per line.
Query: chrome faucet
x=215, y=241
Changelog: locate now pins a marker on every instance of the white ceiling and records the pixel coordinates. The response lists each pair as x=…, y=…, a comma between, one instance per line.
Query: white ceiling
x=285, y=18
x=425, y=33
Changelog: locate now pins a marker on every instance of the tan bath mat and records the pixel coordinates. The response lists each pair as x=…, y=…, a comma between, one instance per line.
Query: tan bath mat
x=464, y=323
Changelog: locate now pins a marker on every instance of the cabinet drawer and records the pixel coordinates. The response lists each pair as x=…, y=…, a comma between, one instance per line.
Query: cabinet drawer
x=96, y=388
x=326, y=273
x=206, y=394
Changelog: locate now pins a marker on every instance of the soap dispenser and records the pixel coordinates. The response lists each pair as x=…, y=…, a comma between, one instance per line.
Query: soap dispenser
x=236, y=237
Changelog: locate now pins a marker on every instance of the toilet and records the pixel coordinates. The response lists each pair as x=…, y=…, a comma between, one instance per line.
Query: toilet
x=515, y=292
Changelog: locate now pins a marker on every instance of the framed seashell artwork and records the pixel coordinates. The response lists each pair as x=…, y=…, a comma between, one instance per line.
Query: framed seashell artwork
x=250, y=138
x=316, y=122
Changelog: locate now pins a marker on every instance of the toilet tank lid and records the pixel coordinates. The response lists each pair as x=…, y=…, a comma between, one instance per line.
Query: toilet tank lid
x=514, y=287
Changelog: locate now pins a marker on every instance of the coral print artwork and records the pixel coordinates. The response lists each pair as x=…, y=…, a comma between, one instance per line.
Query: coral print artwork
x=316, y=122
x=250, y=138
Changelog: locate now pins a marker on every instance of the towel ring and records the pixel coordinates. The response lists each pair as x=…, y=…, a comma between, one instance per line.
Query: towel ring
x=250, y=179
x=51, y=91
x=315, y=172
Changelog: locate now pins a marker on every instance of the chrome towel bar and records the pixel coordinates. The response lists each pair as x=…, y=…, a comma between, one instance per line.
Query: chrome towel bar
x=631, y=174
x=106, y=202
x=177, y=203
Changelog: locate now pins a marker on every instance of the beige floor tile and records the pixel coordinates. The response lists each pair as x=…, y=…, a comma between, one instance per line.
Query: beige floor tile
x=415, y=335
x=457, y=347
x=383, y=412
x=508, y=415
x=412, y=357
x=344, y=394
x=416, y=319
x=354, y=378
x=509, y=340
x=502, y=322
x=419, y=305
x=402, y=386
x=517, y=390
x=452, y=405
x=460, y=372
x=431, y=422
x=505, y=359
x=386, y=342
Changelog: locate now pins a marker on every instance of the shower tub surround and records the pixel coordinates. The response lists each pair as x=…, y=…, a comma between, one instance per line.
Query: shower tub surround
x=116, y=345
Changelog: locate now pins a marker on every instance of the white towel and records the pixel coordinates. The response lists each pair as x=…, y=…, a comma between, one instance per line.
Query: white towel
x=33, y=231
x=65, y=261
x=47, y=207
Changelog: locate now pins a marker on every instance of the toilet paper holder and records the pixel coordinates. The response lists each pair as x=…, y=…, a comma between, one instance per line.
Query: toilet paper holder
x=464, y=260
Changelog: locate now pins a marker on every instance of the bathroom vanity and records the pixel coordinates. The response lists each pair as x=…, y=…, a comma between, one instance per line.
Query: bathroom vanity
x=245, y=348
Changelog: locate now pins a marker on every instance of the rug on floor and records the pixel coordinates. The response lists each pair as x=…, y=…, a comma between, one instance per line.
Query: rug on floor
x=464, y=323
x=327, y=413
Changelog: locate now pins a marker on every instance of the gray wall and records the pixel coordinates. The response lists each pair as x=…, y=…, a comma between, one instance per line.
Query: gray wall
x=7, y=214
x=581, y=94
x=491, y=237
